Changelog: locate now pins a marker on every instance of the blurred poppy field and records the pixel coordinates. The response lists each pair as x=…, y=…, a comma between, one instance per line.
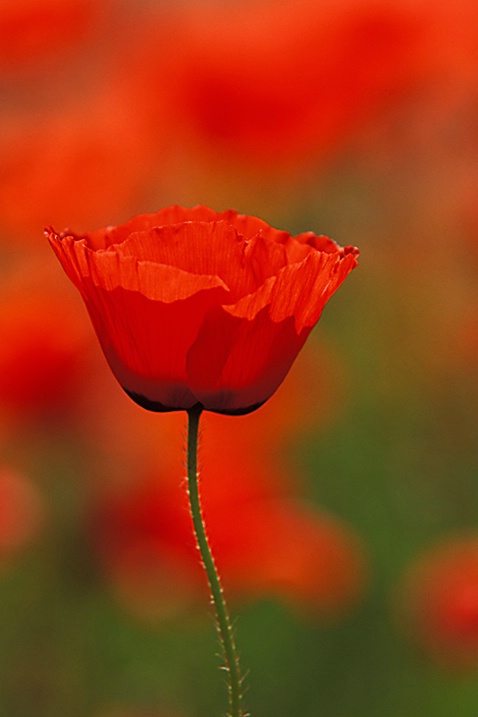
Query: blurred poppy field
x=343, y=514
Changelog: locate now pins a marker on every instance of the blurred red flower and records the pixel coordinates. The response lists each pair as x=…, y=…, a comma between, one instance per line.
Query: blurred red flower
x=32, y=31
x=193, y=306
x=265, y=544
x=439, y=602
x=79, y=163
x=267, y=82
x=42, y=350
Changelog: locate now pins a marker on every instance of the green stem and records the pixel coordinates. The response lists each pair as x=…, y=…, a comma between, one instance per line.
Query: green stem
x=223, y=624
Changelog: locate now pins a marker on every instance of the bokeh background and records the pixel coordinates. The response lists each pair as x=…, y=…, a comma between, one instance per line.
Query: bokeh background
x=343, y=514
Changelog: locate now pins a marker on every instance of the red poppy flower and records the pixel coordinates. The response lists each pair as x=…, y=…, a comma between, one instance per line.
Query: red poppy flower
x=194, y=307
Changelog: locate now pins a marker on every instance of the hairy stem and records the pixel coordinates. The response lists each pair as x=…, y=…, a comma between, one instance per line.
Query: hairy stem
x=223, y=624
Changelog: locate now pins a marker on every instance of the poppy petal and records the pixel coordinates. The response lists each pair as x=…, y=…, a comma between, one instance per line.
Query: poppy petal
x=238, y=364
